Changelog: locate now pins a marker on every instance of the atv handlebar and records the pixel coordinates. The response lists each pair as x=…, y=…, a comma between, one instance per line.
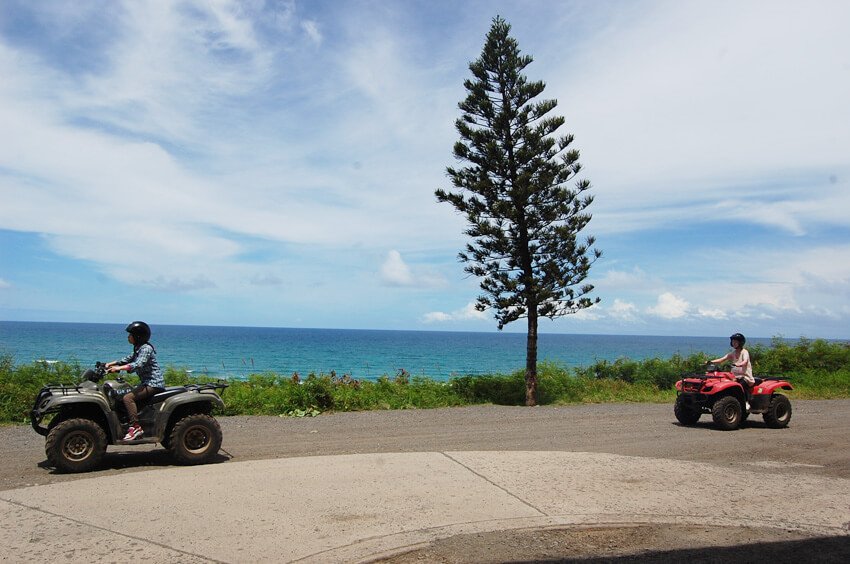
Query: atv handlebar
x=97, y=374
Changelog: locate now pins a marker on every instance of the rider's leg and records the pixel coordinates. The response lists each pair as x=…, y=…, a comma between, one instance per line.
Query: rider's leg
x=140, y=394
x=132, y=411
x=748, y=391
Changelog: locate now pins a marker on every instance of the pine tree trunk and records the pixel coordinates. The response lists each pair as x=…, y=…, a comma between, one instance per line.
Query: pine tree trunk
x=531, y=360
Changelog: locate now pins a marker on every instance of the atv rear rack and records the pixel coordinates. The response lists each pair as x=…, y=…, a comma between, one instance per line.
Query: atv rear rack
x=220, y=385
x=703, y=376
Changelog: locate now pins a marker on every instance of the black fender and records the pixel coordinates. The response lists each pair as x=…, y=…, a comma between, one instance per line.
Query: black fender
x=79, y=402
x=193, y=401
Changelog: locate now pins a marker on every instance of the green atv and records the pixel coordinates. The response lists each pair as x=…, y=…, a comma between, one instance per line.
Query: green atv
x=81, y=420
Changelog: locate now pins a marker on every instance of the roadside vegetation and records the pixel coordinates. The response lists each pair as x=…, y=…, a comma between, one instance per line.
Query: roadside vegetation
x=817, y=369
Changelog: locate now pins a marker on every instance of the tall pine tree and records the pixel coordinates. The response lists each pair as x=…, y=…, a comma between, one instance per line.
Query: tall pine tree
x=523, y=219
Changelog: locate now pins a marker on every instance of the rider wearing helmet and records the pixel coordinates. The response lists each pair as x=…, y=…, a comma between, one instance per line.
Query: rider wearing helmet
x=739, y=357
x=140, y=331
x=143, y=363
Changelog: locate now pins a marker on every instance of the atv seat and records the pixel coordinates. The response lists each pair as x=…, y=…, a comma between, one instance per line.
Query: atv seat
x=758, y=381
x=170, y=391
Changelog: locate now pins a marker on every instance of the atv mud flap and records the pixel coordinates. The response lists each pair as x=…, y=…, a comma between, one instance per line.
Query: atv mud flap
x=696, y=402
x=759, y=403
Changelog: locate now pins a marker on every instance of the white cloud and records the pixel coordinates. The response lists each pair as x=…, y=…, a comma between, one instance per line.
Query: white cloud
x=395, y=271
x=174, y=284
x=168, y=66
x=623, y=310
x=436, y=317
x=311, y=28
x=466, y=313
x=712, y=313
x=4, y=284
x=669, y=307
x=83, y=151
x=636, y=279
x=591, y=313
x=776, y=278
x=735, y=282
x=678, y=106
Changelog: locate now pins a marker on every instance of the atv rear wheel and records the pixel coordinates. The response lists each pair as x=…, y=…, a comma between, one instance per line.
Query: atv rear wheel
x=778, y=413
x=686, y=415
x=75, y=445
x=727, y=413
x=195, y=439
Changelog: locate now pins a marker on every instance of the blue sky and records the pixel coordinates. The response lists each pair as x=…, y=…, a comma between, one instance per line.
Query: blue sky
x=273, y=163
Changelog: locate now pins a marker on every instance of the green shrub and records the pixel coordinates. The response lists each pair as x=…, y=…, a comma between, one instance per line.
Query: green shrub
x=806, y=355
x=497, y=389
x=816, y=369
x=20, y=384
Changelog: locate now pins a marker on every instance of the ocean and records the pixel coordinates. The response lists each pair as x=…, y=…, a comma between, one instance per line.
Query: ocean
x=236, y=352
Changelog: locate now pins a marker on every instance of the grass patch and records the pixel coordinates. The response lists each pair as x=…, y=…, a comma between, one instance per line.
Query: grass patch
x=817, y=369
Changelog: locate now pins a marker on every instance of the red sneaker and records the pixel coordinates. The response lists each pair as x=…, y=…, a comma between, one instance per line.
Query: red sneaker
x=134, y=432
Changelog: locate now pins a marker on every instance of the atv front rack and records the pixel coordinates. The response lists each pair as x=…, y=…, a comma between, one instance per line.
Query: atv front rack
x=62, y=388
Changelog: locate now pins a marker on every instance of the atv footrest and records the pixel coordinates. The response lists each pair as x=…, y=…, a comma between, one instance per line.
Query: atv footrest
x=142, y=441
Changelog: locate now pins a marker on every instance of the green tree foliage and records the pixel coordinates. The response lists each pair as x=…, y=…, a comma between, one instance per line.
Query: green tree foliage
x=522, y=216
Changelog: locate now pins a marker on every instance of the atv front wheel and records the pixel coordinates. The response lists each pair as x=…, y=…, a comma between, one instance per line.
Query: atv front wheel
x=195, y=439
x=686, y=415
x=75, y=445
x=778, y=413
x=727, y=413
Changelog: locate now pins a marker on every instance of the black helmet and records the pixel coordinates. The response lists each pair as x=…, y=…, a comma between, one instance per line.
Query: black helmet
x=140, y=331
x=737, y=337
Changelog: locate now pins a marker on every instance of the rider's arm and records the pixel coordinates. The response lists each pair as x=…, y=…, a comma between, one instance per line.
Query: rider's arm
x=743, y=359
x=124, y=362
x=721, y=359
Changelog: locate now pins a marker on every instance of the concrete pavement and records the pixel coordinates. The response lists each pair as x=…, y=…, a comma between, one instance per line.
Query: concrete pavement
x=354, y=508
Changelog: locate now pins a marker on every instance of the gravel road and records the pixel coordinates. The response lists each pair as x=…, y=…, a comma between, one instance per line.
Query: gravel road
x=816, y=443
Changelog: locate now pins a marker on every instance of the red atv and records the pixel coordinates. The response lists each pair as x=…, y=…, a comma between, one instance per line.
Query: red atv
x=729, y=404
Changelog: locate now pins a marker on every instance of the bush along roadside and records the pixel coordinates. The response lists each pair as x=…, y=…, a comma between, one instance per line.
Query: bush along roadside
x=818, y=370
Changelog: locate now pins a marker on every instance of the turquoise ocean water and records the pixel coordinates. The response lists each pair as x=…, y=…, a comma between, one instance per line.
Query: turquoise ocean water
x=236, y=352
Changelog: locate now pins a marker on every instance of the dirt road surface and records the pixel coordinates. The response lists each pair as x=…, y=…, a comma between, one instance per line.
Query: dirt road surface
x=816, y=443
